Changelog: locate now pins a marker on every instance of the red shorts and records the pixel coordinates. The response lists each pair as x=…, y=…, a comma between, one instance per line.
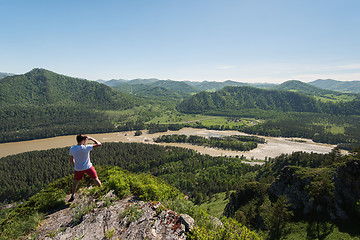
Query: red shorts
x=78, y=175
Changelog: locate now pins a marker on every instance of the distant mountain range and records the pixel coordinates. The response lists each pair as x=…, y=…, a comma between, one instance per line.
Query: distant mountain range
x=167, y=90
x=182, y=86
x=341, y=86
x=292, y=85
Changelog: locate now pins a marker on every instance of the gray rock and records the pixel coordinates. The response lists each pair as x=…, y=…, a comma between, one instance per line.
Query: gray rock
x=116, y=221
x=188, y=222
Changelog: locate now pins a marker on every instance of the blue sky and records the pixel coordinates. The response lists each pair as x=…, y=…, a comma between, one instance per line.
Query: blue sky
x=215, y=40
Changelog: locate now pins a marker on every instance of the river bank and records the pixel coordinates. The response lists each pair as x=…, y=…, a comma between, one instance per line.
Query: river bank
x=272, y=148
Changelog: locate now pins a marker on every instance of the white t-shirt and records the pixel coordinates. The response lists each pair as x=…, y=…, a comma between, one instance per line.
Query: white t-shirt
x=81, y=153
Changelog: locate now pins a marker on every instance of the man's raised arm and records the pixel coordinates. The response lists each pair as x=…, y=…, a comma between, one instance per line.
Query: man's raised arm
x=96, y=142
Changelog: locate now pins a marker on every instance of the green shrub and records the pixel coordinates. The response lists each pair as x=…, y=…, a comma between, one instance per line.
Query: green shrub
x=48, y=199
x=17, y=226
x=231, y=230
x=109, y=233
x=145, y=187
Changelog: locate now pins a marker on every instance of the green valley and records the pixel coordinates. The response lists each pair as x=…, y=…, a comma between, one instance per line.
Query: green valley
x=301, y=195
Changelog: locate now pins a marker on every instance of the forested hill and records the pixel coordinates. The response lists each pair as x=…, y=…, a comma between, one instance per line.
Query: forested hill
x=236, y=98
x=230, y=99
x=43, y=87
x=174, y=86
x=341, y=86
x=42, y=104
x=152, y=92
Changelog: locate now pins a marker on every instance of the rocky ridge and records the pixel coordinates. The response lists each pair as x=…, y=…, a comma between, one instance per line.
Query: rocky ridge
x=110, y=218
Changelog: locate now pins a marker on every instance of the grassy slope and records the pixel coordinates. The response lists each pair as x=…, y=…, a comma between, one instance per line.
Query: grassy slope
x=216, y=204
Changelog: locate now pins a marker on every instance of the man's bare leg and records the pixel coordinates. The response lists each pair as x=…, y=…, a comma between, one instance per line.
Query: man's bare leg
x=73, y=189
x=97, y=182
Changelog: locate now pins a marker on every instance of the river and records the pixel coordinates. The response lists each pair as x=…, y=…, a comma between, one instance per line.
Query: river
x=273, y=147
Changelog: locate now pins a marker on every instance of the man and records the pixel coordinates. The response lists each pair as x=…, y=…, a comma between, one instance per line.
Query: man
x=80, y=159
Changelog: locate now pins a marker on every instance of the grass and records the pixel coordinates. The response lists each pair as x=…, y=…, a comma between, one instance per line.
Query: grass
x=81, y=210
x=171, y=117
x=231, y=122
x=332, y=128
x=336, y=129
x=132, y=114
x=131, y=213
x=176, y=117
x=109, y=233
x=336, y=98
x=216, y=204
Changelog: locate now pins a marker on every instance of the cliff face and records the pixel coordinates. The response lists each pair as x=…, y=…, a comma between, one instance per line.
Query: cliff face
x=334, y=192
x=347, y=186
x=87, y=218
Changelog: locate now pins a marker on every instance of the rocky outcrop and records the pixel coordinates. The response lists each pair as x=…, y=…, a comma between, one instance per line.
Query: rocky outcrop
x=347, y=187
x=114, y=219
x=339, y=203
x=293, y=187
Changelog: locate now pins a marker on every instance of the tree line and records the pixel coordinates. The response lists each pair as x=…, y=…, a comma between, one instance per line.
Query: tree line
x=237, y=143
x=21, y=122
x=198, y=176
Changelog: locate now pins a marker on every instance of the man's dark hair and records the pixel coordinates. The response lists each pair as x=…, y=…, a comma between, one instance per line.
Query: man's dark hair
x=80, y=137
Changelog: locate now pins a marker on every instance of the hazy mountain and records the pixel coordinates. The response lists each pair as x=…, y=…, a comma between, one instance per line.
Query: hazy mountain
x=263, y=85
x=115, y=82
x=213, y=86
x=149, y=91
x=175, y=86
x=3, y=75
x=184, y=86
x=341, y=86
x=172, y=86
x=301, y=87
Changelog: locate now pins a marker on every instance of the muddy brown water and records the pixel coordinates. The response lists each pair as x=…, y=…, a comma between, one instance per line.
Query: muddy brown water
x=272, y=148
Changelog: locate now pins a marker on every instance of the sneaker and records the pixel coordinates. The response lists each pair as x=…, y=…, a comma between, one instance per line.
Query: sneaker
x=71, y=198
